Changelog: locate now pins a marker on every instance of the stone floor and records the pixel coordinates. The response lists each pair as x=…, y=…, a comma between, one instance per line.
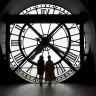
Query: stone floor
x=55, y=90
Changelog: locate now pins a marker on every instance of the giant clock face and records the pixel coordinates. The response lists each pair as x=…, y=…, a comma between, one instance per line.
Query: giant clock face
x=29, y=41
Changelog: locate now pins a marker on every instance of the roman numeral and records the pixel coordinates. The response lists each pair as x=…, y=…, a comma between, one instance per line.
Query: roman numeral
x=12, y=63
x=73, y=26
x=19, y=57
x=71, y=57
x=45, y=11
x=75, y=42
x=19, y=27
x=60, y=68
x=15, y=42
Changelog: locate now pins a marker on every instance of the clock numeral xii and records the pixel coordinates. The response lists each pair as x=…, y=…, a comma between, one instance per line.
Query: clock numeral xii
x=45, y=11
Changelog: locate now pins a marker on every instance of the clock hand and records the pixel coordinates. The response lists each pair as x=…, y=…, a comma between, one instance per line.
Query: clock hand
x=27, y=58
x=39, y=50
x=65, y=60
x=48, y=38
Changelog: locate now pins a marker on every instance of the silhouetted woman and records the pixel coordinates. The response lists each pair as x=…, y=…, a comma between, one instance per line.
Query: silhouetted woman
x=49, y=71
x=40, y=68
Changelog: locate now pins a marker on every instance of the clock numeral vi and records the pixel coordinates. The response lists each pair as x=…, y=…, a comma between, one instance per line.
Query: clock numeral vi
x=75, y=42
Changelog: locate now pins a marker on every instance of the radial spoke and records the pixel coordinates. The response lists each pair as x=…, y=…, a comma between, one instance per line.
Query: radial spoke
x=49, y=28
x=66, y=48
x=41, y=29
x=75, y=34
x=59, y=38
x=29, y=38
x=25, y=37
x=24, y=48
x=54, y=31
x=60, y=46
x=29, y=46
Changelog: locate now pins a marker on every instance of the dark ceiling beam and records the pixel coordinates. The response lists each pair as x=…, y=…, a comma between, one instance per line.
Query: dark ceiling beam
x=82, y=18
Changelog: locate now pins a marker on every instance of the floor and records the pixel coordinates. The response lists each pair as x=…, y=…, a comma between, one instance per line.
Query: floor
x=55, y=90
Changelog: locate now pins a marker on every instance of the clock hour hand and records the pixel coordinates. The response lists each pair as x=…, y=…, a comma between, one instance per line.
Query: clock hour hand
x=39, y=50
x=27, y=58
x=56, y=50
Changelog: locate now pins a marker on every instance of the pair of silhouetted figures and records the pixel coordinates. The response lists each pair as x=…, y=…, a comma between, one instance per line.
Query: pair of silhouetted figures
x=48, y=67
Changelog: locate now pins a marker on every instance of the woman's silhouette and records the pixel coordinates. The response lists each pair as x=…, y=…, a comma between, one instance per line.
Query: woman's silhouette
x=40, y=68
x=49, y=71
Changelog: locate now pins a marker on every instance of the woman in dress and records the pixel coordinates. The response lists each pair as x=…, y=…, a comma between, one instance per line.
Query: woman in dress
x=49, y=71
x=40, y=68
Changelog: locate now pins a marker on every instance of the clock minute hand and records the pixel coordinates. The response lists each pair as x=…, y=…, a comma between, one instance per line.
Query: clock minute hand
x=26, y=58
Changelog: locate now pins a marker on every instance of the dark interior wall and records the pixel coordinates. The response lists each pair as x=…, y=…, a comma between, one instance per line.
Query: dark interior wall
x=90, y=5
x=85, y=75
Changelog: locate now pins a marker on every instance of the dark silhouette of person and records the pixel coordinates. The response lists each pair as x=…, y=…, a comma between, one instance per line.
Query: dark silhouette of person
x=40, y=69
x=49, y=71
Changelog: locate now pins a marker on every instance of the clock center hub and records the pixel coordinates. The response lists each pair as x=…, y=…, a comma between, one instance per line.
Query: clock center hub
x=46, y=41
